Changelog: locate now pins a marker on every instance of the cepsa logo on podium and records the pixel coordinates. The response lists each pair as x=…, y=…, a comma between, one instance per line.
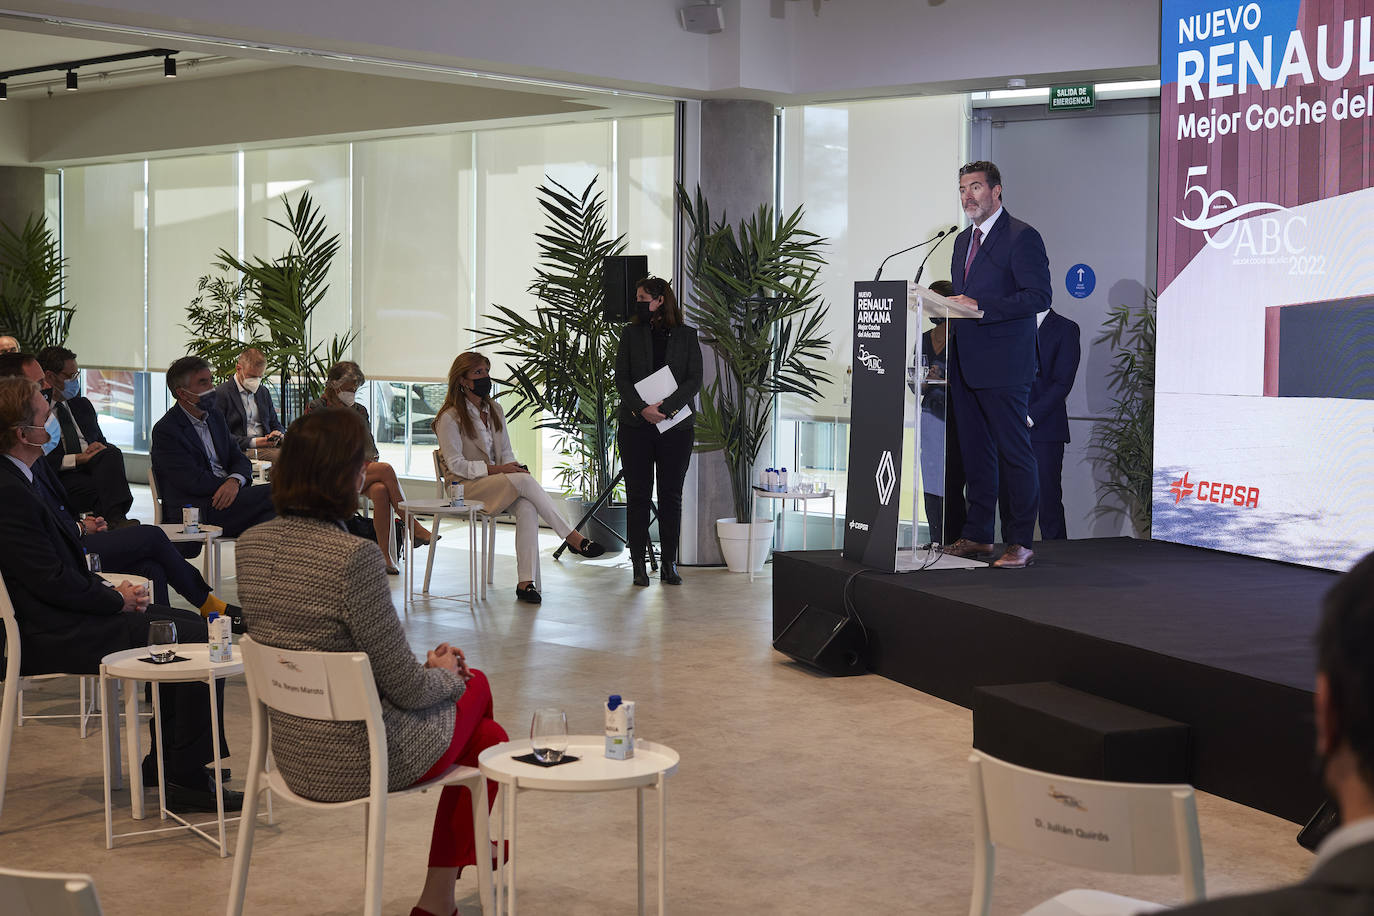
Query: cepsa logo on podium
x=1212, y=491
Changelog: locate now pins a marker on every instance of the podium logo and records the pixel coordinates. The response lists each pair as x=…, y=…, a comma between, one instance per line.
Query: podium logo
x=886, y=478
x=870, y=361
x=1214, y=491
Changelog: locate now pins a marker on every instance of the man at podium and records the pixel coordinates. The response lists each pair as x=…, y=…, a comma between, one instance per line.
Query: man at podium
x=999, y=265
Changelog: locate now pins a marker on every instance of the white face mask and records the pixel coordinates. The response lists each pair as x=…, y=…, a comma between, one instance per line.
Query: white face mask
x=251, y=384
x=346, y=398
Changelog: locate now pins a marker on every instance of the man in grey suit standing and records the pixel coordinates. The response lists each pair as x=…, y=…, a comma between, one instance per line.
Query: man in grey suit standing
x=1342, y=879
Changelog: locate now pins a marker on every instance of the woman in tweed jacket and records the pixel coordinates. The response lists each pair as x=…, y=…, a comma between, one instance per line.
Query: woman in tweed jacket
x=307, y=584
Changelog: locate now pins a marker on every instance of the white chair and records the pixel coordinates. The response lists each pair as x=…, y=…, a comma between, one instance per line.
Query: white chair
x=1120, y=827
x=44, y=893
x=212, y=558
x=12, y=713
x=487, y=541
x=348, y=694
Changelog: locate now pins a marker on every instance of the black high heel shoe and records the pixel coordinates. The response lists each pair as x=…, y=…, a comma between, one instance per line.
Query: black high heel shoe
x=641, y=573
x=667, y=572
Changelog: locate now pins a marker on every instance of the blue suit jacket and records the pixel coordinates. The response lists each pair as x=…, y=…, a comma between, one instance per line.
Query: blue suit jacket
x=1010, y=280
x=1060, y=350
x=229, y=402
x=182, y=467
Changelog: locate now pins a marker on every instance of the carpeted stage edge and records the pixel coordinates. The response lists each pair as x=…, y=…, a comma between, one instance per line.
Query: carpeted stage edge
x=1221, y=642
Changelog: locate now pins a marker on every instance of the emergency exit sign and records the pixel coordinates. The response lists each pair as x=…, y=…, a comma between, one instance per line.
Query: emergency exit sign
x=1072, y=98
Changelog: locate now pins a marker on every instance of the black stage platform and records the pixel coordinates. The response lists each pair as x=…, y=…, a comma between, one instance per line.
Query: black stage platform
x=1219, y=641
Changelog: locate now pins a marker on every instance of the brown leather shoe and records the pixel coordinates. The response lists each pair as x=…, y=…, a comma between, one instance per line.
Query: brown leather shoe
x=1015, y=557
x=966, y=548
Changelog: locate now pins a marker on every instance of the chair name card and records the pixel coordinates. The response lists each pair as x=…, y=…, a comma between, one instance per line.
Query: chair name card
x=298, y=684
x=1092, y=826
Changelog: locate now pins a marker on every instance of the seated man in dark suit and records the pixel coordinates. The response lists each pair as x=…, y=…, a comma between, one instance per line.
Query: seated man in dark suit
x=1342, y=879
x=1058, y=341
x=196, y=461
x=248, y=409
x=91, y=468
x=70, y=618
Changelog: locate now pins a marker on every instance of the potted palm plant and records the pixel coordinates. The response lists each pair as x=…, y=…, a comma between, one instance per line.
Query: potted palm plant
x=562, y=356
x=268, y=304
x=31, y=306
x=755, y=300
x=1123, y=442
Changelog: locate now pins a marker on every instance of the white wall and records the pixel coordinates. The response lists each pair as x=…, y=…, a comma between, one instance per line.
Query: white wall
x=771, y=48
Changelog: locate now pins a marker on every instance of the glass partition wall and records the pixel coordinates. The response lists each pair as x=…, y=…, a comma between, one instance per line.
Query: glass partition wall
x=433, y=231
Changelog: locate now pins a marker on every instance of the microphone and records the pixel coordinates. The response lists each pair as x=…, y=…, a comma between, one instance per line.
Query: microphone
x=934, y=238
x=950, y=231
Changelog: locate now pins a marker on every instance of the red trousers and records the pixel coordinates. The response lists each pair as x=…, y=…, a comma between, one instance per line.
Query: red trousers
x=452, y=844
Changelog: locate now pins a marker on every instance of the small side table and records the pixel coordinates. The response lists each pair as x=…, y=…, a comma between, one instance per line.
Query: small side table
x=439, y=509
x=650, y=767
x=209, y=557
x=126, y=666
x=801, y=497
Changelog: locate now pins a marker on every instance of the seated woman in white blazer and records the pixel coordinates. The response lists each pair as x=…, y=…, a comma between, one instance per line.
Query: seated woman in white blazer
x=477, y=451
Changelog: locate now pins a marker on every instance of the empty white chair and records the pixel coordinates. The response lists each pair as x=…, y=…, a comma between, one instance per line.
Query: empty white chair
x=1120, y=827
x=349, y=695
x=487, y=541
x=40, y=893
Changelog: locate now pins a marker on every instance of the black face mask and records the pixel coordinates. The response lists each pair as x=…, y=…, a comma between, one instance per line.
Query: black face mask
x=642, y=311
x=481, y=387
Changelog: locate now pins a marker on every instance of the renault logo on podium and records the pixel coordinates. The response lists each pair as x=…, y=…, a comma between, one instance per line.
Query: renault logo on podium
x=886, y=478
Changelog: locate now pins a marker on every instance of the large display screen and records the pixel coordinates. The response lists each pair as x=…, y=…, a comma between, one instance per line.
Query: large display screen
x=1264, y=414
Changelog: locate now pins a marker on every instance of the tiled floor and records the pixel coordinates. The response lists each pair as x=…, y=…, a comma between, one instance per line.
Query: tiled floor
x=796, y=792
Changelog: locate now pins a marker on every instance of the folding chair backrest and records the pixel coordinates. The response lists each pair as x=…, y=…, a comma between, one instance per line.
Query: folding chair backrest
x=47, y=894
x=157, y=500
x=1126, y=828
x=332, y=686
x=10, y=663
x=440, y=474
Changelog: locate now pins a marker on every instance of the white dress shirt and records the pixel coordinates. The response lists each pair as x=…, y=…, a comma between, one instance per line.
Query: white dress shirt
x=251, y=421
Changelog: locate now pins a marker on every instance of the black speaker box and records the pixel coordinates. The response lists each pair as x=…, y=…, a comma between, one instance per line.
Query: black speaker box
x=619, y=274
x=828, y=642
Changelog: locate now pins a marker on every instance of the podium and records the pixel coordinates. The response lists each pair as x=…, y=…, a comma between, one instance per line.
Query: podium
x=876, y=430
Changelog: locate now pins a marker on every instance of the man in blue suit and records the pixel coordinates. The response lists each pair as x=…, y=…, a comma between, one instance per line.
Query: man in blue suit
x=1058, y=341
x=999, y=265
x=195, y=458
x=248, y=408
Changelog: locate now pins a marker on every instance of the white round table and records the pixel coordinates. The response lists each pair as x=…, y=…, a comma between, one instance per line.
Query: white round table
x=437, y=509
x=799, y=496
x=127, y=666
x=209, y=557
x=650, y=767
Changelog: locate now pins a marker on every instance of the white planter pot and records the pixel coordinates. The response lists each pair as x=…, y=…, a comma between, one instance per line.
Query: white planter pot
x=735, y=538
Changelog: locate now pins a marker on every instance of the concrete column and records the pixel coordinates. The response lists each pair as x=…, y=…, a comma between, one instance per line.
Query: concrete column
x=21, y=195
x=728, y=151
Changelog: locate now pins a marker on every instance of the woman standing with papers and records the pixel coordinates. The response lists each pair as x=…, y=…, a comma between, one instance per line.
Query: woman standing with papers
x=658, y=373
x=475, y=443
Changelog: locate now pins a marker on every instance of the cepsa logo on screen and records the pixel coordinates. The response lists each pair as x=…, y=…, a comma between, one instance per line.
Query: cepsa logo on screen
x=1212, y=491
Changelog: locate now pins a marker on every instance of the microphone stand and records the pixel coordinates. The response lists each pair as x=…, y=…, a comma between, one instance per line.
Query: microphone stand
x=935, y=238
x=920, y=270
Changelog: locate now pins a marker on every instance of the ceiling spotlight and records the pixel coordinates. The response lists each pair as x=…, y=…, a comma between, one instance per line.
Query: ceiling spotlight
x=1016, y=82
x=169, y=67
x=71, y=80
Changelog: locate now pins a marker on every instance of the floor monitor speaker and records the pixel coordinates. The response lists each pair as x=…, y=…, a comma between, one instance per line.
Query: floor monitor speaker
x=828, y=642
x=619, y=274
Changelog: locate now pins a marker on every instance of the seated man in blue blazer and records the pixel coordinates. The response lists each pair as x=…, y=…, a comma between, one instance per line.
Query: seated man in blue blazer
x=91, y=468
x=196, y=461
x=1058, y=340
x=70, y=618
x=999, y=265
x=248, y=408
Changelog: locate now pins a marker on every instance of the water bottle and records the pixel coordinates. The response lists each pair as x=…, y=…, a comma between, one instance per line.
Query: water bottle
x=620, y=728
x=782, y=480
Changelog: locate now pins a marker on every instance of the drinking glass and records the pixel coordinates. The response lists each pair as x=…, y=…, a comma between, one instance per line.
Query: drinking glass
x=162, y=641
x=93, y=562
x=549, y=734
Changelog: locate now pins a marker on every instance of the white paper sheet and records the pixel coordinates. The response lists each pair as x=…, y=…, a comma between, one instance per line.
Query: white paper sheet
x=655, y=388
